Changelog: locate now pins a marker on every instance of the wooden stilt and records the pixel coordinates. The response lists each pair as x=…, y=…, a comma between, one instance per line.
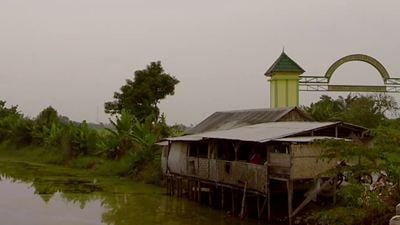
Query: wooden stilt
x=209, y=195
x=170, y=185
x=289, y=184
x=243, y=200
x=191, y=191
x=198, y=191
x=184, y=187
x=311, y=195
x=263, y=206
x=179, y=187
x=167, y=184
x=233, y=201
x=193, y=188
x=268, y=204
x=222, y=197
x=258, y=207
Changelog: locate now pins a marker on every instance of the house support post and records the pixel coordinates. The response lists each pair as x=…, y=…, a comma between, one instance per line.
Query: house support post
x=268, y=203
x=178, y=187
x=289, y=185
x=258, y=207
x=263, y=207
x=243, y=200
x=209, y=195
x=222, y=197
x=180, y=184
x=233, y=201
x=198, y=191
x=193, y=189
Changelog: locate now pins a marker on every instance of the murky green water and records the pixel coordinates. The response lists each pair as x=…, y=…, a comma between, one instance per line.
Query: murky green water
x=40, y=195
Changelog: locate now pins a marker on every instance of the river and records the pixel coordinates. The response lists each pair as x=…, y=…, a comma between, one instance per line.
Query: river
x=37, y=194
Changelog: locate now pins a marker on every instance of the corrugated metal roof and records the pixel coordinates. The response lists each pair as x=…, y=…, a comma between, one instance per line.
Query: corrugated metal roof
x=237, y=118
x=262, y=132
x=193, y=137
x=162, y=143
x=307, y=139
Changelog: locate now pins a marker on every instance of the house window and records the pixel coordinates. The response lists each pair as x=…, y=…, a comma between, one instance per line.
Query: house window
x=198, y=149
x=282, y=148
x=225, y=150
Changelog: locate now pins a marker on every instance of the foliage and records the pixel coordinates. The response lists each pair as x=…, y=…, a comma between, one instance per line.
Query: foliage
x=326, y=109
x=178, y=130
x=121, y=140
x=51, y=138
x=368, y=111
x=372, y=204
x=387, y=143
x=141, y=95
x=47, y=117
x=13, y=126
x=83, y=139
x=4, y=111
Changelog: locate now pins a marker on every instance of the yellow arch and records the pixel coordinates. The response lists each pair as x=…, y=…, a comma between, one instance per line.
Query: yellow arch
x=358, y=57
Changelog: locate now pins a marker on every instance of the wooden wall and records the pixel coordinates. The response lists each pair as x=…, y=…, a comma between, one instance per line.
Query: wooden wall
x=177, y=158
x=307, y=161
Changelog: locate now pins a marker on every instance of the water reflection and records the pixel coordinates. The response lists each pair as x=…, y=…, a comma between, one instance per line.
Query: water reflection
x=34, y=194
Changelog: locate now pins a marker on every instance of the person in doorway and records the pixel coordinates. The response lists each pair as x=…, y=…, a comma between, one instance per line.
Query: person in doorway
x=255, y=157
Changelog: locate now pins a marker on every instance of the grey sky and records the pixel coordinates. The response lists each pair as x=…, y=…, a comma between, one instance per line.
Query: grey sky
x=73, y=54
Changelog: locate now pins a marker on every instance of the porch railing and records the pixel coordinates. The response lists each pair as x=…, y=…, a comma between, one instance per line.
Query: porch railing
x=229, y=172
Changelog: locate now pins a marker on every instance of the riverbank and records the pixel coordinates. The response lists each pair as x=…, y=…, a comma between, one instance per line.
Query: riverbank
x=95, y=165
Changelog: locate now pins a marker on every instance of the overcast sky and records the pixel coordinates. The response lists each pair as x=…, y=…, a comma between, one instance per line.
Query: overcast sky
x=73, y=54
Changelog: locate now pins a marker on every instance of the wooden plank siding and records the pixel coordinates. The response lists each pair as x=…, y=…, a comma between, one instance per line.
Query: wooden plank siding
x=229, y=172
x=303, y=162
x=279, y=164
x=307, y=161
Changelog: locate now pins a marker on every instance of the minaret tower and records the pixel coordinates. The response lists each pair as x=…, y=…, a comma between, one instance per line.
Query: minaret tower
x=284, y=82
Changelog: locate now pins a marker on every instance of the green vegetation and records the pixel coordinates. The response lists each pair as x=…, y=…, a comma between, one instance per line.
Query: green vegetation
x=362, y=198
x=368, y=111
x=141, y=95
x=126, y=149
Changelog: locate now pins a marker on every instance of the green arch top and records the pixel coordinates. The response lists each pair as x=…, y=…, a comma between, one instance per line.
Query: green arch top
x=358, y=57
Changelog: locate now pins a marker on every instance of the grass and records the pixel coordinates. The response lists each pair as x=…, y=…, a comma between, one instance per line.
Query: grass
x=98, y=166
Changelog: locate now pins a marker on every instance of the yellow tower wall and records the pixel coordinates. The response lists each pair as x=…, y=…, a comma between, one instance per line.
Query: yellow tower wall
x=284, y=87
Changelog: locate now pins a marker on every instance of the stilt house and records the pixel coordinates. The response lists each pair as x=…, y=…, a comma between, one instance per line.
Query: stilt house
x=219, y=151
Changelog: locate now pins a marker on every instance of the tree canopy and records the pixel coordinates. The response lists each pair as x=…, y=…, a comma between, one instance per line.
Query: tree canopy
x=368, y=111
x=141, y=95
x=47, y=117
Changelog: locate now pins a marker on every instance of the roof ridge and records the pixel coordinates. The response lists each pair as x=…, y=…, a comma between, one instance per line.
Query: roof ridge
x=257, y=109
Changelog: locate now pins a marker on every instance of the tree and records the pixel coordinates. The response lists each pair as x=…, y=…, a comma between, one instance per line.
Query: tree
x=326, y=109
x=368, y=111
x=141, y=95
x=47, y=117
x=359, y=202
x=13, y=126
x=4, y=111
